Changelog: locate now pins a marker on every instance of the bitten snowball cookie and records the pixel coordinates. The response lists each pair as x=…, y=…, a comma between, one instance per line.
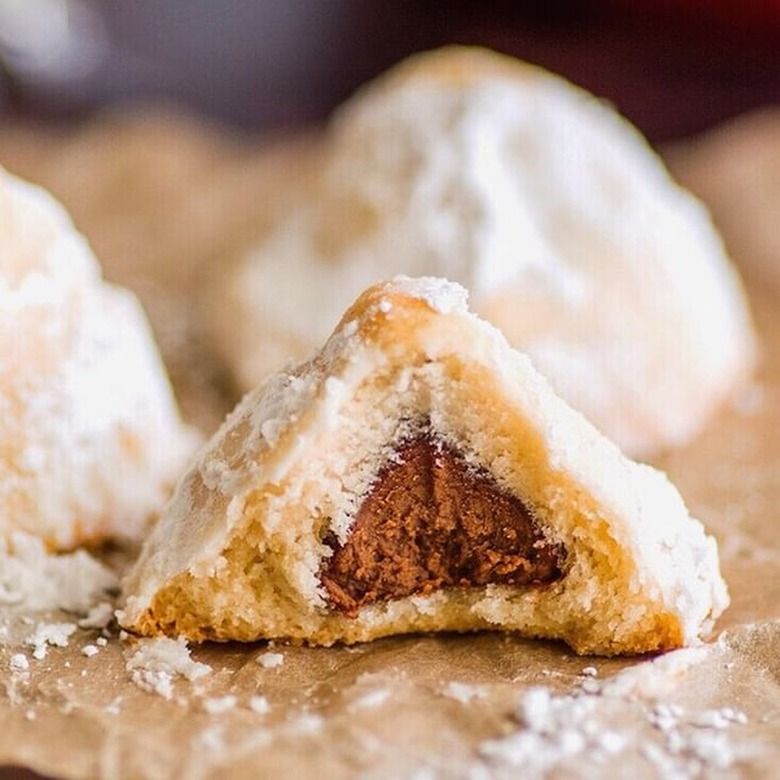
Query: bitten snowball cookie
x=90, y=435
x=546, y=205
x=418, y=474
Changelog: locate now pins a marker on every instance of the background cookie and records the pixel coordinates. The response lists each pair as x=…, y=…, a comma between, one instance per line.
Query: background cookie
x=546, y=205
x=90, y=435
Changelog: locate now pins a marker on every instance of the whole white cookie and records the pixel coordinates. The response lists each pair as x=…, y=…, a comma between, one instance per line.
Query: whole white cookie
x=90, y=435
x=540, y=199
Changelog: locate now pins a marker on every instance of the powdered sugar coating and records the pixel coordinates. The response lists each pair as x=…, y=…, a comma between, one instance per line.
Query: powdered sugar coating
x=90, y=436
x=441, y=295
x=156, y=663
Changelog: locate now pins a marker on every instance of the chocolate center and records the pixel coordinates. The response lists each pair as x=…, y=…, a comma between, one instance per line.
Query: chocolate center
x=433, y=521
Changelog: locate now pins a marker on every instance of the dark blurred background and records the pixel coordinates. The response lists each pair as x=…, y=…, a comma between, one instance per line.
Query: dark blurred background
x=674, y=67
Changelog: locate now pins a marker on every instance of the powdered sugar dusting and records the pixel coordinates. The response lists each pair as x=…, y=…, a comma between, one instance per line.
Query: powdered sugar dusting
x=99, y=616
x=441, y=295
x=220, y=704
x=588, y=730
x=370, y=700
x=49, y=635
x=463, y=692
x=270, y=660
x=156, y=663
x=259, y=705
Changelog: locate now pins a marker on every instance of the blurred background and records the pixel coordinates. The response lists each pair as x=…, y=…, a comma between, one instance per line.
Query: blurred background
x=171, y=130
x=674, y=67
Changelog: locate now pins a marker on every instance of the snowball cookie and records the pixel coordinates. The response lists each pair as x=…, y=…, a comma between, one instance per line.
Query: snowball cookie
x=418, y=474
x=90, y=436
x=540, y=199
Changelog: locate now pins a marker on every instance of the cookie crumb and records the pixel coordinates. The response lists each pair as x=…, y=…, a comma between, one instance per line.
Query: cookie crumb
x=49, y=635
x=462, y=692
x=19, y=662
x=157, y=662
x=370, y=700
x=270, y=660
x=259, y=704
x=219, y=705
x=99, y=616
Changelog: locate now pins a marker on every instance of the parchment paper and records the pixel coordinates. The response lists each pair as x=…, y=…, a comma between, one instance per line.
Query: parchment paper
x=164, y=202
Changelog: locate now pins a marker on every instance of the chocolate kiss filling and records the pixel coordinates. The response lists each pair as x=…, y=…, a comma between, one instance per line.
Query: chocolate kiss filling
x=433, y=521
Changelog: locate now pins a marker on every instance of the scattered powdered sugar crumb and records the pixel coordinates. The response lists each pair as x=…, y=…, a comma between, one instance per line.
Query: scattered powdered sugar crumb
x=99, y=616
x=589, y=728
x=589, y=685
x=534, y=708
x=260, y=705
x=101, y=641
x=19, y=662
x=463, y=692
x=307, y=723
x=719, y=719
x=270, y=660
x=158, y=682
x=89, y=650
x=370, y=700
x=655, y=679
x=49, y=635
x=212, y=738
x=115, y=706
x=590, y=671
x=219, y=704
x=441, y=295
x=156, y=663
x=666, y=717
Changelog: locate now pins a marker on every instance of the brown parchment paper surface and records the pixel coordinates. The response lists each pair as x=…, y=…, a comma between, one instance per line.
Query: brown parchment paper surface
x=164, y=202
